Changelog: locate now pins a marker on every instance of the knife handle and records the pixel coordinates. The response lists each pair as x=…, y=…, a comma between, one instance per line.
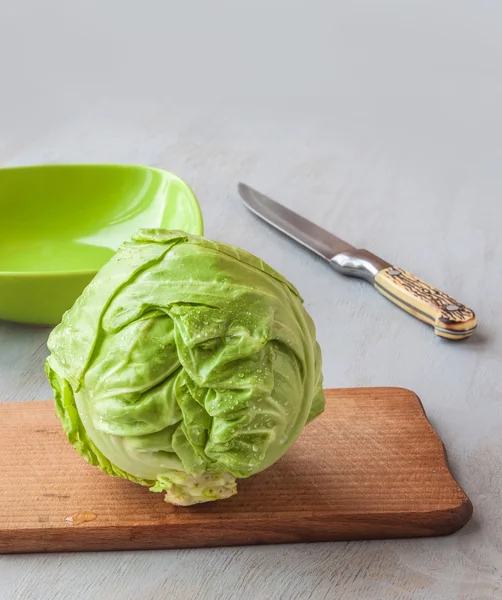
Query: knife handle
x=450, y=318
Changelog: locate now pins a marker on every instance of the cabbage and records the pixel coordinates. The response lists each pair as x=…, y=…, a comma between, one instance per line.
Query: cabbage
x=185, y=364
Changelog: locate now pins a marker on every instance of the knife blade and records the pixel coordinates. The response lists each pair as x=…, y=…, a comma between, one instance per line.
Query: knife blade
x=305, y=232
x=450, y=318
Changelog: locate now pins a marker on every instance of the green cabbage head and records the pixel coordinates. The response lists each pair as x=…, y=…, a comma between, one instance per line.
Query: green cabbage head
x=184, y=365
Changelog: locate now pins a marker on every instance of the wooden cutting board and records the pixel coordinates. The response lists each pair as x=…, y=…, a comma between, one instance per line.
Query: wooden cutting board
x=370, y=467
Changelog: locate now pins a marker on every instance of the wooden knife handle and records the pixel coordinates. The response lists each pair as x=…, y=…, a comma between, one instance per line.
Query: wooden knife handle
x=450, y=318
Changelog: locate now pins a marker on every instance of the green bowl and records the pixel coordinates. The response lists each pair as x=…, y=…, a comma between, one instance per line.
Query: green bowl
x=61, y=223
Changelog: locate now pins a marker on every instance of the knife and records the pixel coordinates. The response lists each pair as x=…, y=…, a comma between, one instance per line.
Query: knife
x=451, y=319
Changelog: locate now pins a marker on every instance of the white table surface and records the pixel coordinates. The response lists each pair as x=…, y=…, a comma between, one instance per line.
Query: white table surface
x=381, y=120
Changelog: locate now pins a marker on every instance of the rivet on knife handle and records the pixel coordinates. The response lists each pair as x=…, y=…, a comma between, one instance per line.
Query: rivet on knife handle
x=450, y=318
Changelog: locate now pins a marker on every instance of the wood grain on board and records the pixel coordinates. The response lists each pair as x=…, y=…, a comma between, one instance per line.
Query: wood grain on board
x=370, y=467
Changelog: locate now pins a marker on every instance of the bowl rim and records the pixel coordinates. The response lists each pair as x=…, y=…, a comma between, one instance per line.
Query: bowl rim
x=91, y=272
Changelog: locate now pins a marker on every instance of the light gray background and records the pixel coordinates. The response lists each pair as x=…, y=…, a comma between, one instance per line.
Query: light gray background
x=379, y=119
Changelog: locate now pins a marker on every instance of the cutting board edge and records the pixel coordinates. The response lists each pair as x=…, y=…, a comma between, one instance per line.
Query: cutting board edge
x=178, y=536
